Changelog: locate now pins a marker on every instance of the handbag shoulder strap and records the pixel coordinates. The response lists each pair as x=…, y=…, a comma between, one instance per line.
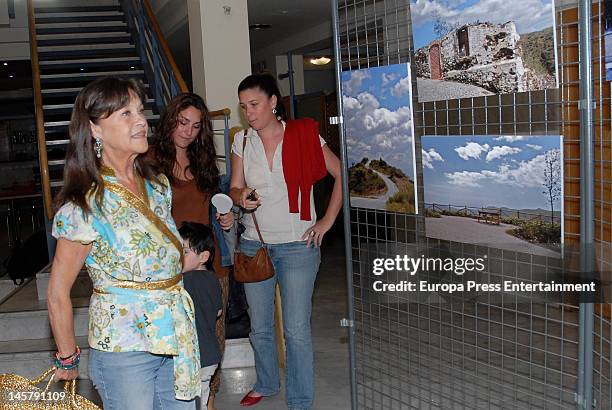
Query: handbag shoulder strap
x=244, y=142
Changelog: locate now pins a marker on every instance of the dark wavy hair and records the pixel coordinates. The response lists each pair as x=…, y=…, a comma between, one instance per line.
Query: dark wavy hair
x=266, y=83
x=96, y=101
x=201, y=152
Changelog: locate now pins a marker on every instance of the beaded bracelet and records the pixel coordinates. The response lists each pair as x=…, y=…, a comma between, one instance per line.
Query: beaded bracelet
x=70, y=362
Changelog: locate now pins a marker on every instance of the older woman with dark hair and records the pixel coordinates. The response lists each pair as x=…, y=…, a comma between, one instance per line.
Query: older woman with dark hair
x=184, y=150
x=115, y=217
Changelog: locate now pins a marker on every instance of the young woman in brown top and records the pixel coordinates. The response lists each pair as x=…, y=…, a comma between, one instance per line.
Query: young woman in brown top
x=184, y=151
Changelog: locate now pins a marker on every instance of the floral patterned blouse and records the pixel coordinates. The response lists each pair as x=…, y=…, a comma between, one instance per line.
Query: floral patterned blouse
x=128, y=246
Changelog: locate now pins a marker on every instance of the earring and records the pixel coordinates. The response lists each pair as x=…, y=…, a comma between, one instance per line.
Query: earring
x=278, y=117
x=98, y=147
x=274, y=110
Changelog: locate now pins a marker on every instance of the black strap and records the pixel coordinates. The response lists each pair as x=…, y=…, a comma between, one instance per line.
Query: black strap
x=244, y=142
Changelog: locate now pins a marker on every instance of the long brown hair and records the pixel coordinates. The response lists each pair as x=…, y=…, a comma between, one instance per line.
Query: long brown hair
x=96, y=101
x=201, y=152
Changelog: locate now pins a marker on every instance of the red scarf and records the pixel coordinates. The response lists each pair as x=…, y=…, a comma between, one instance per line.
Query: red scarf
x=303, y=163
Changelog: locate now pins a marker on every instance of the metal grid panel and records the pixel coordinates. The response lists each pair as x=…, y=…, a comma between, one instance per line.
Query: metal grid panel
x=423, y=354
x=602, y=372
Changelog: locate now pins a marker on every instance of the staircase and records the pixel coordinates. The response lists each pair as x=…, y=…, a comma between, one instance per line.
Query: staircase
x=74, y=42
x=77, y=44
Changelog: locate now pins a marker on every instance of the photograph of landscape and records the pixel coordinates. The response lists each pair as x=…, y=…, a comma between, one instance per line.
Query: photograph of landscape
x=608, y=37
x=380, y=138
x=472, y=48
x=501, y=191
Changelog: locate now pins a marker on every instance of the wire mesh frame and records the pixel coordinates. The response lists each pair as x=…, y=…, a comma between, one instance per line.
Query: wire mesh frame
x=602, y=348
x=534, y=113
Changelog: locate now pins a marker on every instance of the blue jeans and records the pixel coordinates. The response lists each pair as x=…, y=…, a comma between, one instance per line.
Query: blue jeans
x=135, y=381
x=296, y=268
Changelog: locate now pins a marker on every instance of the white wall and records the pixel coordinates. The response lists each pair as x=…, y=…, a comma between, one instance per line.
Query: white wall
x=220, y=53
x=14, y=33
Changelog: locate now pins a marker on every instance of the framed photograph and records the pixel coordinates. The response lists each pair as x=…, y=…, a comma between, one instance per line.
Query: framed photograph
x=503, y=191
x=377, y=105
x=473, y=48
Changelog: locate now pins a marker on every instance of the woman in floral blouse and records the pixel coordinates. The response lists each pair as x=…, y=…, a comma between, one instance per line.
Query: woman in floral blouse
x=115, y=217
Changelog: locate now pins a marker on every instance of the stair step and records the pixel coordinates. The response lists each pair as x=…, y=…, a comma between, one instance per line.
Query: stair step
x=47, y=78
x=84, y=13
x=85, y=47
x=85, y=62
x=31, y=357
x=58, y=124
x=67, y=36
x=22, y=325
x=74, y=3
x=89, y=38
x=80, y=17
x=58, y=92
x=77, y=28
x=42, y=8
x=68, y=107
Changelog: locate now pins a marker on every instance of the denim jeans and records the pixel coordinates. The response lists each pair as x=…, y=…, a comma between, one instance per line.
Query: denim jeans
x=296, y=268
x=206, y=374
x=135, y=381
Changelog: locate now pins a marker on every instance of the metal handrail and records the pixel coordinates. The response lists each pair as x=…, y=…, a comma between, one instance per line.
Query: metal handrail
x=158, y=62
x=38, y=111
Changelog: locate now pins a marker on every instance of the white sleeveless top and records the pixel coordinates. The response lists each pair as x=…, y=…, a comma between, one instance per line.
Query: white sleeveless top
x=277, y=225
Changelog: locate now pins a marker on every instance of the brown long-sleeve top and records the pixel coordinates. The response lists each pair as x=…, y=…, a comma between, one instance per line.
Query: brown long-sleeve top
x=189, y=204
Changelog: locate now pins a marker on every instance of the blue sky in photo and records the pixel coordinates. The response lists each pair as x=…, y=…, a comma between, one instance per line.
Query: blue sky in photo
x=506, y=171
x=528, y=15
x=378, y=116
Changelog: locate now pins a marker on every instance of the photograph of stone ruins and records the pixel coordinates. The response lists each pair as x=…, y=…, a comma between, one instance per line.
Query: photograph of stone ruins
x=455, y=58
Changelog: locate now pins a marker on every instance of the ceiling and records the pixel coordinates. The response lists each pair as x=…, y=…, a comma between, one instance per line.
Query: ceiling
x=286, y=18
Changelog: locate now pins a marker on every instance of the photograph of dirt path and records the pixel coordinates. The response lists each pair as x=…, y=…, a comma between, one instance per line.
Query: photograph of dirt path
x=499, y=191
x=472, y=48
x=379, y=133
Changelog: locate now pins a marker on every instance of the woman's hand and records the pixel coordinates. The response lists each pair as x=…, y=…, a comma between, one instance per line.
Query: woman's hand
x=316, y=232
x=225, y=220
x=248, y=204
x=61, y=374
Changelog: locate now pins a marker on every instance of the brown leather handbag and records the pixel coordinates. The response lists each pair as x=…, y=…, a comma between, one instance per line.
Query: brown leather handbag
x=249, y=269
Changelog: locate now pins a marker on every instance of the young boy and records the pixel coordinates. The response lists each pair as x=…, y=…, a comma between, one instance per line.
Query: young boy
x=205, y=290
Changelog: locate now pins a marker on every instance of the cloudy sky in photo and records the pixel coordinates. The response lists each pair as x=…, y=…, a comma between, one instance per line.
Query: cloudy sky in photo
x=506, y=171
x=528, y=15
x=378, y=116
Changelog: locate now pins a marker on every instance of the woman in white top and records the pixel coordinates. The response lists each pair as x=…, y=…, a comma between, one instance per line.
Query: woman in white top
x=292, y=239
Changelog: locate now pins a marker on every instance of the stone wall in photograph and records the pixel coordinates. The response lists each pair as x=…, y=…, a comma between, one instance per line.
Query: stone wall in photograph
x=482, y=54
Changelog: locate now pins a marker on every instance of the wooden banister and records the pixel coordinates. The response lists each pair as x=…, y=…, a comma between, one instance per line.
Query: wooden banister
x=164, y=46
x=224, y=112
x=38, y=112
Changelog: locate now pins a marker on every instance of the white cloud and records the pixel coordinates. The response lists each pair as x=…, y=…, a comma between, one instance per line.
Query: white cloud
x=353, y=85
x=402, y=87
x=373, y=130
x=513, y=138
x=430, y=156
x=388, y=78
x=471, y=150
x=534, y=147
x=530, y=16
x=524, y=174
x=498, y=152
x=465, y=178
